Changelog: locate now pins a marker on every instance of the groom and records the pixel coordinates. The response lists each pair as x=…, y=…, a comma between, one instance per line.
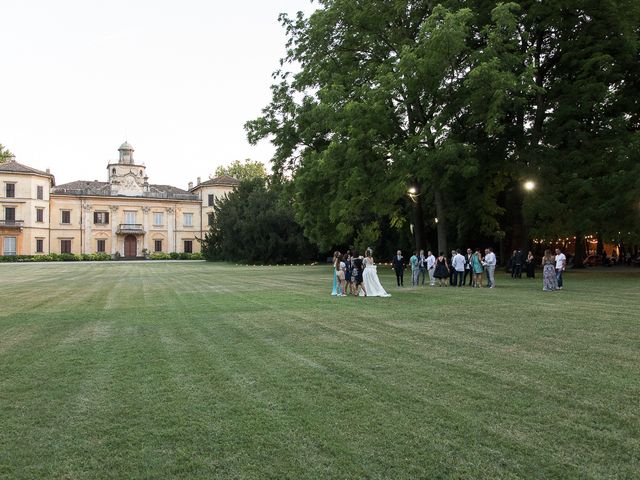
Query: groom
x=398, y=267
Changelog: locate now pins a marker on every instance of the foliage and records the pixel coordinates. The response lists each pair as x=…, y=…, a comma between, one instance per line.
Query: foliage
x=247, y=170
x=4, y=153
x=253, y=224
x=462, y=101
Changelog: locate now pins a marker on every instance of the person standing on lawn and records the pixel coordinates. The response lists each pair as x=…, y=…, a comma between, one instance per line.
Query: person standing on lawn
x=561, y=264
x=490, y=260
x=398, y=267
x=415, y=268
x=431, y=266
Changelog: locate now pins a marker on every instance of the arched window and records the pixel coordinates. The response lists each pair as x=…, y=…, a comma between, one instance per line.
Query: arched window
x=113, y=171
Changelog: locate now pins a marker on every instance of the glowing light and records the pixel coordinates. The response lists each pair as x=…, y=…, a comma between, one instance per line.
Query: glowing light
x=529, y=185
x=412, y=191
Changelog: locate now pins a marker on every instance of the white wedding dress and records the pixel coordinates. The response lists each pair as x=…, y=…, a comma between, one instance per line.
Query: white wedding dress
x=371, y=281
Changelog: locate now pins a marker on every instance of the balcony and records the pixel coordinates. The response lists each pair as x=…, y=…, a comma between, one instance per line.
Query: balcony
x=130, y=229
x=11, y=223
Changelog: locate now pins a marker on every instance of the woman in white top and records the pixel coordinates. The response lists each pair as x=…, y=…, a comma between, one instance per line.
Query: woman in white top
x=370, y=278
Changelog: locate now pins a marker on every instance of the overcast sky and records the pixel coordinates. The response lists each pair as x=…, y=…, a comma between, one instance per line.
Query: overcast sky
x=178, y=80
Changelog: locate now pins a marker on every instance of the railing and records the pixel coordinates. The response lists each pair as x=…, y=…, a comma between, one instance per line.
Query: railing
x=12, y=223
x=130, y=228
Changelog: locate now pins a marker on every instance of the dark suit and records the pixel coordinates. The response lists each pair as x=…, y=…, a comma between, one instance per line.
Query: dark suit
x=398, y=266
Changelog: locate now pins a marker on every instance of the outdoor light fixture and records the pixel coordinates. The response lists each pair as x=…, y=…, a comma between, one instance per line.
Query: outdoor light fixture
x=529, y=185
x=412, y=191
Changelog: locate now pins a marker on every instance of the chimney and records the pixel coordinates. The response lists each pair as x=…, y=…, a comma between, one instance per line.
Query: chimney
x=190, y=185
x=198, y=181
x=48, y=171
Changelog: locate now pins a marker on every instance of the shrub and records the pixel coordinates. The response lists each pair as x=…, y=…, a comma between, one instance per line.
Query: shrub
x=174, y=255
x=159, y=256
x=196, y=256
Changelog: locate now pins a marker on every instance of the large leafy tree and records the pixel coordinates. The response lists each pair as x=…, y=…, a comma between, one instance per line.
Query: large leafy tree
x=462, y=102
x=371, y=114
x=253, y=224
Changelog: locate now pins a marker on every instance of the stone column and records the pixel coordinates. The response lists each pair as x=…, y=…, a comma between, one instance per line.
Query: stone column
x=171, y=229
x=114, y=227
x=88, y=222
x=145, y=227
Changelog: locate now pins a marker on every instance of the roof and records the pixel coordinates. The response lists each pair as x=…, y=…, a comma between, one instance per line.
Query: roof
x=86, y=187
x=125, y=146
x=11, y=166
x=223, y=180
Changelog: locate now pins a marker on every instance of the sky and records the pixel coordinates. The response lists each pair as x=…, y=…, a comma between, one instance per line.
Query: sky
x=177, y=80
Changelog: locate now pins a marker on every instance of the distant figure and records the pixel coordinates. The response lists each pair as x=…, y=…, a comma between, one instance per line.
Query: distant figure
x=347, y=271
x=490, y=261
x=431, y=267
x=356, y=276
x=478, y=268
x=468, y=268
x=517, y=264
x=422, y=267
x=458, y=268
x=415, y=268
x=549, y=280
x=452, y=271
x=335, y=264
x=398, y=267
x=561, y=264
x=371, y=282
x=442, y=270
x=530, y=263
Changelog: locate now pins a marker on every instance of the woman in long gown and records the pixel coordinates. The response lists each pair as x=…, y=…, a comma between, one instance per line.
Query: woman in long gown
x=549, y=280
x=370, y=278
x=336, y=262
x=531, y=265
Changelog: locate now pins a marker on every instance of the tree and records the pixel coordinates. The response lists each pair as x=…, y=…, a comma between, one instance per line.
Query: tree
x=252, y=224
x=5, y=154
x=246, y=170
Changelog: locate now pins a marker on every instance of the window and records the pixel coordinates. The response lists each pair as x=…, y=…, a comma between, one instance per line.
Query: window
x=9, y=246
x=10, y=214
x=10, y=190
x=188, y=219
x=212, y=200
x=211, y=218
x=39, y=245
x=65, y=246
x=101, y=247
x=39, y=215
x=101, y=218
x=66, y=216
x=130, y=218
x=158, y=218
x=188, y=246
x=40, y=192
x=157, y=245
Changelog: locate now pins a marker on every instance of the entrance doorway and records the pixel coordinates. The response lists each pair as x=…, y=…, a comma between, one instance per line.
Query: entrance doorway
x=130, y=246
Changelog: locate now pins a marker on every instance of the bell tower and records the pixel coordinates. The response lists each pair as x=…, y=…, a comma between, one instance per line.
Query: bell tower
x=126, y=154
x=126, y=177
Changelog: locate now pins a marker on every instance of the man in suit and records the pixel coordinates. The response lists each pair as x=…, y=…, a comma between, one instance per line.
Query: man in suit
x=468, y=270
x=398, y=267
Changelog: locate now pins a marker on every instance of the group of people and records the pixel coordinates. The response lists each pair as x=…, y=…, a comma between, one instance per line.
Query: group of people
x=452, y=271
x=474, y=267
x=356, y=275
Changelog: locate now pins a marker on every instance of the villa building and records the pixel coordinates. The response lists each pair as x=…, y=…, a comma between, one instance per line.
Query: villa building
x=125, y=216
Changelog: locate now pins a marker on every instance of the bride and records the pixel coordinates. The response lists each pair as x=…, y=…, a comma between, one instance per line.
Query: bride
x=370, y=278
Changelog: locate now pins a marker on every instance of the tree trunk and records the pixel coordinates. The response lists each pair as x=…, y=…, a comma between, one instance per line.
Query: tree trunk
x=600, y=245
x=578, y=259
x=441, y=225
x=418, y=224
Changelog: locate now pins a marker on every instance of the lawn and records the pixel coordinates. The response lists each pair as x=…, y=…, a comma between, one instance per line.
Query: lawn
x=195, y=370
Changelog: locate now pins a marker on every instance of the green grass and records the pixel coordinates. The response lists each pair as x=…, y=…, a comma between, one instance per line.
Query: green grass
x=194, y=370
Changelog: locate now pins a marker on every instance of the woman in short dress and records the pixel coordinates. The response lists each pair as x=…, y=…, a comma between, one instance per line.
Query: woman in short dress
x=478, y=269
x=442, y=270
x=347, y=271
x=549, y=280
